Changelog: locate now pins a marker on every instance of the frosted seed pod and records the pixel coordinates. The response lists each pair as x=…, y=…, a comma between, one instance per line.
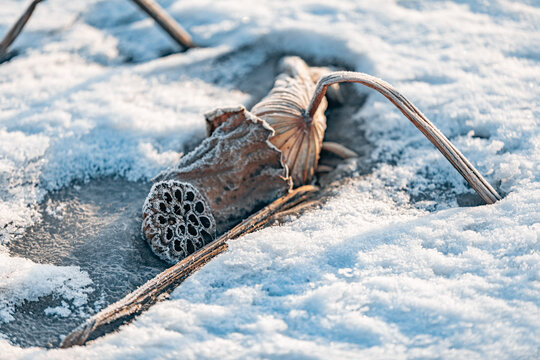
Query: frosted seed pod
x=173, y=232
x=237, y=170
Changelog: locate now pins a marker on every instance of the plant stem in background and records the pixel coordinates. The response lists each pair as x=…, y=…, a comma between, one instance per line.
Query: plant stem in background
x=16, y=29
x=167, y=23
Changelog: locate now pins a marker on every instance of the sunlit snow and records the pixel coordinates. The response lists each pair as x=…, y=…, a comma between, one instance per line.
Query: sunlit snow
x=391, y=267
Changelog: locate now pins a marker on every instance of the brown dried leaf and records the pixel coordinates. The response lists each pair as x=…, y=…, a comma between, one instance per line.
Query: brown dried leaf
x=237, y=169
x=297, y=135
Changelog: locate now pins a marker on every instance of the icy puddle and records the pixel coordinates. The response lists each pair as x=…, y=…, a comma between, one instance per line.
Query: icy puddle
x=95, y=226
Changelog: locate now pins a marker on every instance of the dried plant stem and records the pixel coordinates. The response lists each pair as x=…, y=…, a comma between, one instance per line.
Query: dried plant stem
x=339, y=150
x=167, y=23
x=324, y=169
x=16, y=29
x=462, y=165
x=157, y=288
x=296, y=210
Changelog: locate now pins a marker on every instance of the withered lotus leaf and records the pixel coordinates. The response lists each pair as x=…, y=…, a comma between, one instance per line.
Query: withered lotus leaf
x=298, y=135
x=231, y=174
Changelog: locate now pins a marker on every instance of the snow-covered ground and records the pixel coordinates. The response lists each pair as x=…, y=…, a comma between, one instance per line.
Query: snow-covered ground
x=392, y=267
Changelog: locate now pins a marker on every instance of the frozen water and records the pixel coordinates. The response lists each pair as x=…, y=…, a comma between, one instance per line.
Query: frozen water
x=391, y=267
x=94, y=228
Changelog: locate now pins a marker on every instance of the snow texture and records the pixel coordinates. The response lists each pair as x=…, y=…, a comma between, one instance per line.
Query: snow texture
x=391, y=267
x=22, y=280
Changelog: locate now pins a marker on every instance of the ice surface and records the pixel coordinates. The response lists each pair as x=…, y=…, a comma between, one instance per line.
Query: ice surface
x=95, y=228
x=22, y=280
x=389, y=268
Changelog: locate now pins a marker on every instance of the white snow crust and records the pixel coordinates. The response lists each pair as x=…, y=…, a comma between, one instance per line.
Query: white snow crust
x=381, y=270
x=23, y=280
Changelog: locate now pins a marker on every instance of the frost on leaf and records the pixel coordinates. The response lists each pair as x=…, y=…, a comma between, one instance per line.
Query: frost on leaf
x=237, y=168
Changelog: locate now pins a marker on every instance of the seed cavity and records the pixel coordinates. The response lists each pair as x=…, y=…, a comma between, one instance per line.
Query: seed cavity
x=191, y=229
x=207, y=238
x=205, y=221
x=167, y=197
x=178, y=195
x=193, y=219
x=190, y=247
x=162, y=207
x=177, y=245
x=199, y=207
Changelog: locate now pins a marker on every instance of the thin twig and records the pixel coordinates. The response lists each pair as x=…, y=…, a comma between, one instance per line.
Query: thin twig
x=295, y=210
x=16, y=29
x=339, y=150
x=167, y=23
x=155, y=289
x=462, y=165
x=324, y=169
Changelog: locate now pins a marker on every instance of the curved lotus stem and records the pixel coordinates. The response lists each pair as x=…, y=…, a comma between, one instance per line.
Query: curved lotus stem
x=462, y=165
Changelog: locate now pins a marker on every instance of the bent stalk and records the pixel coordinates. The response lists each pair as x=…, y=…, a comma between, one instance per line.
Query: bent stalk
x=462, y=165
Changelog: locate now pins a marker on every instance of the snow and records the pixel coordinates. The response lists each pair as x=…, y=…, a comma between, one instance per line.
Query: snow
x=62, y=310
x=391, y=267
x=22, y=280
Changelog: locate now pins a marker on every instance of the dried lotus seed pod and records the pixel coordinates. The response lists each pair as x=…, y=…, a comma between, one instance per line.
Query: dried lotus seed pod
x=237, y=169
x=177, y=220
